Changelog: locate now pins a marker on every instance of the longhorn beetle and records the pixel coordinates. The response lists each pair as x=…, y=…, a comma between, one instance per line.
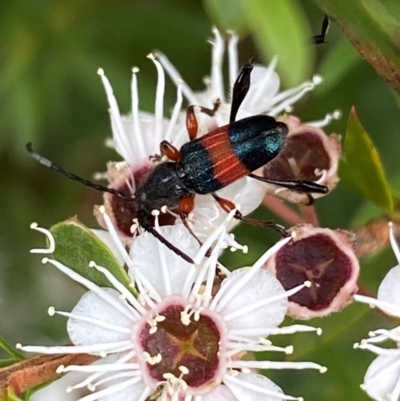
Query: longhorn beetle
x=206, y=164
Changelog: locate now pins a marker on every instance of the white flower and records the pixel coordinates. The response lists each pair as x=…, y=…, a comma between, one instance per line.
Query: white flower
x=382, y=380
x=263, y=97
x=137, y=137
x=181, y=337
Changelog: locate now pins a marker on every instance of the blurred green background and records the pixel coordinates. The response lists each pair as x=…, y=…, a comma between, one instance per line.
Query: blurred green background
x=51, y=95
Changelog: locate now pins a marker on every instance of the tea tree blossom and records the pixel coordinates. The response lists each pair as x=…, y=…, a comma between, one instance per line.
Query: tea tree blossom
x=382, y=380
x=137, y=138
x=182, y=337
x=319, y=163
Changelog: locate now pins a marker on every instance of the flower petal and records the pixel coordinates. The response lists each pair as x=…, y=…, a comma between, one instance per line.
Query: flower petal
x=261, y=286
x=160, y=261
x=105, y=237
x=93, y=307
x=243, y=393
x=131, y=393
x=389, y=289
x=221, y=393
x=246, y=192
x=58, y=389
x=379, y=387
x=264, y=86
x=207, y=215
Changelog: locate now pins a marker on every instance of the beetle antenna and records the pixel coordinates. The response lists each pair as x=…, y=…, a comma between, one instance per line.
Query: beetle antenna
x=49, y=164
x=320, y=38
x=168, y=244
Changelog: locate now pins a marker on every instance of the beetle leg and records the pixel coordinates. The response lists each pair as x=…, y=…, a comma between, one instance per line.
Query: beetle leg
x=228, y=206
x=240, y=89
x=192, y=125
x=170, y=151
x=186, y=205
x=320, y=38
x=310, y=200
x=298, y=186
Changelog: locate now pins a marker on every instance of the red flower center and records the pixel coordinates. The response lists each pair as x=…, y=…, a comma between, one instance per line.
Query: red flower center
x=194, y=346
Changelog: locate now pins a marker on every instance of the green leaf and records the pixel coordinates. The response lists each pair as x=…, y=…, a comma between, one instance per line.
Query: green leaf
x=280, y=27
x=77, y=246
x=8, y=362
x=373, y=27
x=365, y=166
x=227, y=14
x=10, y=350
x=11, y=396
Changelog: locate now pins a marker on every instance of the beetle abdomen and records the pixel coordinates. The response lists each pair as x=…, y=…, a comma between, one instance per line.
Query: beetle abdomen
x=231, y=152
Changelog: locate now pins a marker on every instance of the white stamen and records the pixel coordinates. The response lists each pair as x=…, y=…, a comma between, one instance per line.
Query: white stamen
x=217, y=83
x=110, y=378
x=49, y=237
x=233, y=58
x=291, y=96
x=77, y=349
x=322, y=173
x=211, y=238
x=265, y=331
x=135, y=114
x=184, y=370
x=377, y=350
x=263, y=302
x=238, y=364
x=238, y=348
x=336, y=115
x=111, y=389
x=95, y=288
x=120, y=137
x=223, y=296
x=137, y=308
x=176, y=77
x=115, y=237
x=96, y=322
x=175, y=112
x=94, y=376
x=372, y=302
x=382, y=335
x=152, y=360
x=159, y=112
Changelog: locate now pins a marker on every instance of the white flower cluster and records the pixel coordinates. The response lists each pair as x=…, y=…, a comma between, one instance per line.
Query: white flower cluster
x=182, y=333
